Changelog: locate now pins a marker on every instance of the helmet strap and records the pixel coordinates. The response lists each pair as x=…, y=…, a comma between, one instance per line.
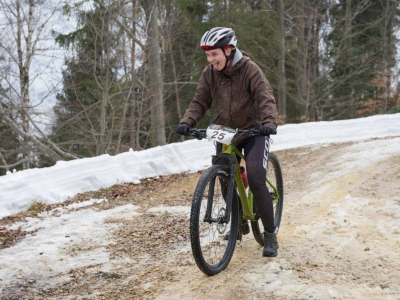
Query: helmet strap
x=228, y=58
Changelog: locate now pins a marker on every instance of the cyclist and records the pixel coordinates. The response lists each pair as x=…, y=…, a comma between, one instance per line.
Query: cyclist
x=243, y=99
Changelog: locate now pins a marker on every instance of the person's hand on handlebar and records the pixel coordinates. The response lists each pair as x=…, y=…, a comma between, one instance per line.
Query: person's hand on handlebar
x=183, y=129
x=265, y=130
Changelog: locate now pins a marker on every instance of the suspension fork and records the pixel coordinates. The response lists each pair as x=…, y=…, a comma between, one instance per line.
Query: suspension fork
x=207, y=217
x=228, y=196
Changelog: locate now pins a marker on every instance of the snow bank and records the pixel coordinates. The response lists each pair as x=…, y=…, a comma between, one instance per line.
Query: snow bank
x=306, y=134
x=66, y=179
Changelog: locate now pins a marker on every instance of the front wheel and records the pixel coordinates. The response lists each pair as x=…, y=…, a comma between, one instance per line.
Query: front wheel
x=212, y=246
x=274, y=182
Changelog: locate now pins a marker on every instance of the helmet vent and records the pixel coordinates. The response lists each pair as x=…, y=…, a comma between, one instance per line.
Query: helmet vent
x=218, y=37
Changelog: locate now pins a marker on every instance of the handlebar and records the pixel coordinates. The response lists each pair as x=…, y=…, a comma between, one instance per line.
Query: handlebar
x=197, y=133
x=201, y=133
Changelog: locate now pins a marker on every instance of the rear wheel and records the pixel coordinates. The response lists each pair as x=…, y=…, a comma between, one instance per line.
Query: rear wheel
x=274, y=176
x=211, y=246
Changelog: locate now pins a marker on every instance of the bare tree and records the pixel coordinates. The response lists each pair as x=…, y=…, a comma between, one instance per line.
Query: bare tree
x=155, y=73
x=134, y=129
x=316, y=57
x=153, y=60
x=24, y=34
x=282, y=50
x=92, y=110
x=386, y=72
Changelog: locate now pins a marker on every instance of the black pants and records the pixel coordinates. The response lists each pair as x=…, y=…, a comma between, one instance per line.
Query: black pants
x=256, y=150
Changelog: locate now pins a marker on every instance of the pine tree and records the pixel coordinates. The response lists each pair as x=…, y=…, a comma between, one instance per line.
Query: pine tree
x=363, y=49
x=91, y=106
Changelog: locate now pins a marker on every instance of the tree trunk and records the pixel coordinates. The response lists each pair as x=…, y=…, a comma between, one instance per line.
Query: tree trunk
x=157, y=130
x=301, y=67
x=24, y=66
x=4, y=162
x=348, y=26
x=178, y=102
x=386, y=72
x=282, y=76
x=348, y=44
x=134, y=124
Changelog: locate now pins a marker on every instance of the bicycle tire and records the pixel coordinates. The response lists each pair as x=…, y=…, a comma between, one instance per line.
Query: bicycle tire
x=274, y=174
x=211, y=249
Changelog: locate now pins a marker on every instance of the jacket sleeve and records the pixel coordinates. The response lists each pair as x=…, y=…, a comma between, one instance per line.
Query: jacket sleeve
x=201, y=101
x=262, y=93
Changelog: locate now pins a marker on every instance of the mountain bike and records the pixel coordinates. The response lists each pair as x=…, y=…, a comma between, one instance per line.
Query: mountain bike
x=221, y=203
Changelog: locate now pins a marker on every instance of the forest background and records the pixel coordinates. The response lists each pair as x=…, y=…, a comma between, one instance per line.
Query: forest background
x=130, y=68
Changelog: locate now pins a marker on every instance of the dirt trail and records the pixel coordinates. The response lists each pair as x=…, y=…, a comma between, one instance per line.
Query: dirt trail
x=339, y=238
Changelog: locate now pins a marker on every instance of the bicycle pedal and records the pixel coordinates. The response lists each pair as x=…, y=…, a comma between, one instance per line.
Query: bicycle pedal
x=245, y=228
x=239, y=236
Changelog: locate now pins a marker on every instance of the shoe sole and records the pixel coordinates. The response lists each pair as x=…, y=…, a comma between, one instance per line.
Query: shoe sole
x=273, y=255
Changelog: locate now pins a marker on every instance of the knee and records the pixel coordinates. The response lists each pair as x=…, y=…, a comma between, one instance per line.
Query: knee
x=255, y=182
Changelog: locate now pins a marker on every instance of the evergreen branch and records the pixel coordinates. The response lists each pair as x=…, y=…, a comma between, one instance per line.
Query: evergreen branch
x=122, y=26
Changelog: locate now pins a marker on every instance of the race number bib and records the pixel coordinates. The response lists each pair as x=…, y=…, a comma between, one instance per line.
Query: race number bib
x=220, y=134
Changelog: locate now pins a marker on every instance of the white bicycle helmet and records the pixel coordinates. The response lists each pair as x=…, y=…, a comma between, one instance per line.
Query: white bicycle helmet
x=218, y=37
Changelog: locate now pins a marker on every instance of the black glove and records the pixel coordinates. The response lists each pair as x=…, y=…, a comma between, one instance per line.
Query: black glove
x=183, y=129
x=265, y=130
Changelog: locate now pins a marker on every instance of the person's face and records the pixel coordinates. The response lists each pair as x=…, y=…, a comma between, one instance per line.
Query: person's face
x=217, y=58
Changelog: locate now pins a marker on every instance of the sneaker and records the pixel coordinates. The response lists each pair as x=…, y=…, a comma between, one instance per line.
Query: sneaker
x=270, y=244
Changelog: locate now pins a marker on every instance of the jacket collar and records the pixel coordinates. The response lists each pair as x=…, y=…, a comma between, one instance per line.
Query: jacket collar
x=239, y=59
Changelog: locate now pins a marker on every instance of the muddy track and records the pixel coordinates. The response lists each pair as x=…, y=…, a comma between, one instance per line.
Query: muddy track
x=339, y=238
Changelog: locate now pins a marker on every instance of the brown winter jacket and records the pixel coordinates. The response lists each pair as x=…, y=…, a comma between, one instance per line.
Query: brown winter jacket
x=241, y=94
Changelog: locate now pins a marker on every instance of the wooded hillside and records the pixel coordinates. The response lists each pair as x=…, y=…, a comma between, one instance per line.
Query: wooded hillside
x=131, y=68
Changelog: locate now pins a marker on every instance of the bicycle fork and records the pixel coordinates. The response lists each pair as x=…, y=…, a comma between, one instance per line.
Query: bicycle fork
x=228, y=198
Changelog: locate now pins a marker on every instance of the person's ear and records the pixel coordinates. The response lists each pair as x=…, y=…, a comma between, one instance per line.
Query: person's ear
x=228, y=51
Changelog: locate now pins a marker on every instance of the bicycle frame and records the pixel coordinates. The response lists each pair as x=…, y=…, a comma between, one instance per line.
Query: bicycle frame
x=215, y=201
x=246, y=199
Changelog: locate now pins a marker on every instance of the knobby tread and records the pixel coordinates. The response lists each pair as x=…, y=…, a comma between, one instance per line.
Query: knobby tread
x=221, y=173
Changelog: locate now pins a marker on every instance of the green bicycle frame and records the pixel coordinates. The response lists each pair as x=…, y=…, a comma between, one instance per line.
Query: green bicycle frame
x=246, y=198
